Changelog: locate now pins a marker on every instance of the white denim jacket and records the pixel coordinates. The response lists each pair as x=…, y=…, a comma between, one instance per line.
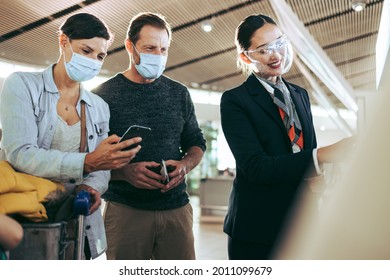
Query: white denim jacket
x=28, y=116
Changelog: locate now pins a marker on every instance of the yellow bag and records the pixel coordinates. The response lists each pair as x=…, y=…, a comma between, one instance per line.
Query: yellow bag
x=24, y=194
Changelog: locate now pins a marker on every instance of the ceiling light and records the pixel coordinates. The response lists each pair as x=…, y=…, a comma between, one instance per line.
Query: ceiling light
x=358, y=5
x=194, y=85
x=206, y=25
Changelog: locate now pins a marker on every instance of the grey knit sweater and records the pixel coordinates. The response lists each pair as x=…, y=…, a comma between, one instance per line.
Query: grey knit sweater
x=166, y=107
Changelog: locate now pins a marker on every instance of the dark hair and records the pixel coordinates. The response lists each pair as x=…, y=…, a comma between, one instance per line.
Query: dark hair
x=244, y=33
x=85, y=26
x=142, y=19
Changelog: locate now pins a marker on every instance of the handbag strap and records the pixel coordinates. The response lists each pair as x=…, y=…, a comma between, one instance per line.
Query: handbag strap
x=83, y=138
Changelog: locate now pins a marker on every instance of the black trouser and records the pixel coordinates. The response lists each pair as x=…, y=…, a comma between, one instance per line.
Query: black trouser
x=245, y=250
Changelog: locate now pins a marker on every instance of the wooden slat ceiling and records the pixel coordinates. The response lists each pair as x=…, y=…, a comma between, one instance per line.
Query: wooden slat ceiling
x=198, y=59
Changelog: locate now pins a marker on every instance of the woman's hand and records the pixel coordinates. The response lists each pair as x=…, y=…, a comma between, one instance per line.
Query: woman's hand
x=337, y=152
x=110, y=154
x=96, y=200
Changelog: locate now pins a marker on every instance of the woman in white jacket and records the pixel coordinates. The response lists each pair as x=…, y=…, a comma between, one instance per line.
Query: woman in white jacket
x=55, y=129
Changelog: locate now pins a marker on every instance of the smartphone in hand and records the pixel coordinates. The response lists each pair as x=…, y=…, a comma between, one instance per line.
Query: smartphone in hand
x=164, y=172
x=135, y=131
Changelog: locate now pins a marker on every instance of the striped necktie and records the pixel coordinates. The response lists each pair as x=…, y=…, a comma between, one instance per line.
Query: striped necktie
x=289, y=116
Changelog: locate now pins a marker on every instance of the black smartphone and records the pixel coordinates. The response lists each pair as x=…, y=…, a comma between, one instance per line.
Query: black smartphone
x=136, y=131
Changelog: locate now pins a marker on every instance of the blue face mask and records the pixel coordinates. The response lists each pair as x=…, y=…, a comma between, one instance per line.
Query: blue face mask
x=151, y=66
x=81, y=68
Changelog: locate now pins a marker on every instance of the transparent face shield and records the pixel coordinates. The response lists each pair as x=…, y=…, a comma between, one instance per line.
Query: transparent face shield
x=281, y=46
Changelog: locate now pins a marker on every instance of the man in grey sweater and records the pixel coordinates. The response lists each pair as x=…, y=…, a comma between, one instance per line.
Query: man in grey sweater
x=145, y=218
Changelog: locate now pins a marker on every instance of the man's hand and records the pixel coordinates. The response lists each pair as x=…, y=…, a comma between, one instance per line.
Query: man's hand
x=139, y=175
x=177, y=176
x=180, y=168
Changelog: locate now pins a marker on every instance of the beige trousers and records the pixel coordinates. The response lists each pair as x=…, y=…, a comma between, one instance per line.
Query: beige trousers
x=134, y=234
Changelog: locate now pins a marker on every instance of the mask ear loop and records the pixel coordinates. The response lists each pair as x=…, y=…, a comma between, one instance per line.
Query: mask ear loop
x=139, y=54
x=70, y=49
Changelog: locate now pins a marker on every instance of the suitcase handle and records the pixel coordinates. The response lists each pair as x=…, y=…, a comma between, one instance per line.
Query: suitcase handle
x=82, y=203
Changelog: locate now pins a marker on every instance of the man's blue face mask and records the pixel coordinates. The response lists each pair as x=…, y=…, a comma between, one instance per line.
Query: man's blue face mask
x=151, y=66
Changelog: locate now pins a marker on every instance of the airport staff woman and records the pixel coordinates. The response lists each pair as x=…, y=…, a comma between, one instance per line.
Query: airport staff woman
x=56, y=129
x=269, y=128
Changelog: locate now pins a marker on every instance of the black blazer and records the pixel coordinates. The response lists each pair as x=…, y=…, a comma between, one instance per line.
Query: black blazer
x=268, y=172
